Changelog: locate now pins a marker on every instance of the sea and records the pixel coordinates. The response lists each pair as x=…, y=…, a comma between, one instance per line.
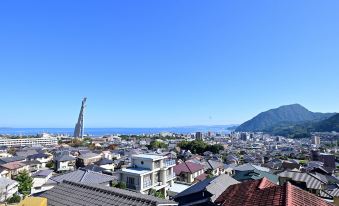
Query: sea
x=222, y=129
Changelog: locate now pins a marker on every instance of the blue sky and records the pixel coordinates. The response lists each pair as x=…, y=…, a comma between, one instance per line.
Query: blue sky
x=164, y=63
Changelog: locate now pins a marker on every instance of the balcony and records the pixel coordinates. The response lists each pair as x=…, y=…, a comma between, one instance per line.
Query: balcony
x=147, y=183
x=131, y=186
x=170, y=176
x=156, y=165
x=169, y=162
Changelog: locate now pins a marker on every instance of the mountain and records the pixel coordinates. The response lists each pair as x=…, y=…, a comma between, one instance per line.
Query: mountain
x=285, y=116
x=328, y=125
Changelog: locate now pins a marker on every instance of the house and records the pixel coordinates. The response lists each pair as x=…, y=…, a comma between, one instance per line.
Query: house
x=87, y=158
x=325, y=186
x=214, y=168
x=107, y=154
x=63, y=161
x=254, y=174
x=41, y=157
x=14, y=168
x=5, y=160
x=263, y=192
x=86, y=176
x=33, y=165
x=107, y=164
x=41, y=181
x=206, y=191
x=75, y=193
x=189, y=172
x=8, y=188
x=149, y=172
x=27, y=152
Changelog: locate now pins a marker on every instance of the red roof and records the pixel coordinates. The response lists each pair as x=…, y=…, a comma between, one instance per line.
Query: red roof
x=264, y=192
x=201, y=177
x=188, y=167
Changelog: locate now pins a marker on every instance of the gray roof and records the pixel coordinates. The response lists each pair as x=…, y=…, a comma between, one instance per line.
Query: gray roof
x=42, y=173
x=5, y=160
x=214, y=186
x=71, y=193
x=85, y=176
x=312, y=180
x=88, y=155
x=249, y=166
x=214, y=164
x=5, y=181
x=64, y=157
x=25, y=153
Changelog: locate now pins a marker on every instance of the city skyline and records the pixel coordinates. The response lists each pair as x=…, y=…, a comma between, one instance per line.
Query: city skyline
x=165, y=64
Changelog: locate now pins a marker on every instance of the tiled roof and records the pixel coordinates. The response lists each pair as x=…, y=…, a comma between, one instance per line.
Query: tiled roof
x=5, y=181
x=94, y=168
x=188, y=167
x=104, y=161
x=64, y=157
x=42, y=173
x=312, y=180
x=85, y=176
x=250, y=166
x=88, y=155
x=38, y=155
x=264, y=192
x=254, y=175
x=214, y=164
x=215, y=186
x=11, y=159
x=201, y=177
x=71, y=193
x=13, y=165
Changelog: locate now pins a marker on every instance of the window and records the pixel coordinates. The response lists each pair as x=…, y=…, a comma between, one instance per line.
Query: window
x=130, y=180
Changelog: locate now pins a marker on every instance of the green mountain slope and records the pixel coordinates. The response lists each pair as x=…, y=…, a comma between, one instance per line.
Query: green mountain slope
x=328, y=125
x=283, y=118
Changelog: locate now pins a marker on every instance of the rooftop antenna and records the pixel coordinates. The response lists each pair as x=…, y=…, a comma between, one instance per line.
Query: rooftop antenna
x=79, y=127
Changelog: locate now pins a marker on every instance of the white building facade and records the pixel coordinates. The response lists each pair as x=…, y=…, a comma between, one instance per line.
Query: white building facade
x=149, y=172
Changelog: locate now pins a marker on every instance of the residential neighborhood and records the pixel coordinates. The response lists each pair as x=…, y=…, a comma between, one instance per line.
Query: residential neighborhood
x=169, y=173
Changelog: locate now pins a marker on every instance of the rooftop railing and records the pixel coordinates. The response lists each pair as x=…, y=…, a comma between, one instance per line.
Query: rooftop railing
x=169, y=162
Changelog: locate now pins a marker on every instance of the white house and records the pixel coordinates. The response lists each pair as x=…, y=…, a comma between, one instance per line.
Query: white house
x=148, y=172
x=40, y=181
x=8, y=188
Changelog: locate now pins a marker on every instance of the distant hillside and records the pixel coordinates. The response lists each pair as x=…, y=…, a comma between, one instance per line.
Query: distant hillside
x=328, y=125
x=285, y=116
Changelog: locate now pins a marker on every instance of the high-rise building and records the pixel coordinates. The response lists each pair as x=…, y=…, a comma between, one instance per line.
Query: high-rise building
x=316, y=140
x=79, y=127
x=243, y=136
x=198, y=136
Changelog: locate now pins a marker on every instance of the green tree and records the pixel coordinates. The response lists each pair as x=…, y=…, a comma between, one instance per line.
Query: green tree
x=25, y=182
x=159, y=193
x=199, y=147
x=14, y=199
x=50, y=165
x=120, y=185
x=157, y=144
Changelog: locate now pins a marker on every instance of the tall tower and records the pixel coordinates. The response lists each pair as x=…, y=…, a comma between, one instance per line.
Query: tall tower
x=79, y=127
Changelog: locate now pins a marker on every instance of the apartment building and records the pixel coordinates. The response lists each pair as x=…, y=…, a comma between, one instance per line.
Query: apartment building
x=45, y=140
x=149, y=172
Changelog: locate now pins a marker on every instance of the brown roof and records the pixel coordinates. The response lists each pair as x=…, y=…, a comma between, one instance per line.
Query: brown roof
x=13, y=165
x=263, y=192
x=188, y=167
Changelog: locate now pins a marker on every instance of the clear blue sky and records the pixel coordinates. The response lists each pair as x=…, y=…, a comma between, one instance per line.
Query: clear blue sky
x=164, y=63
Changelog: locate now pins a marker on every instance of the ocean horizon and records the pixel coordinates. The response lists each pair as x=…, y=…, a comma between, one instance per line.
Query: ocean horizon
x=223, y=129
